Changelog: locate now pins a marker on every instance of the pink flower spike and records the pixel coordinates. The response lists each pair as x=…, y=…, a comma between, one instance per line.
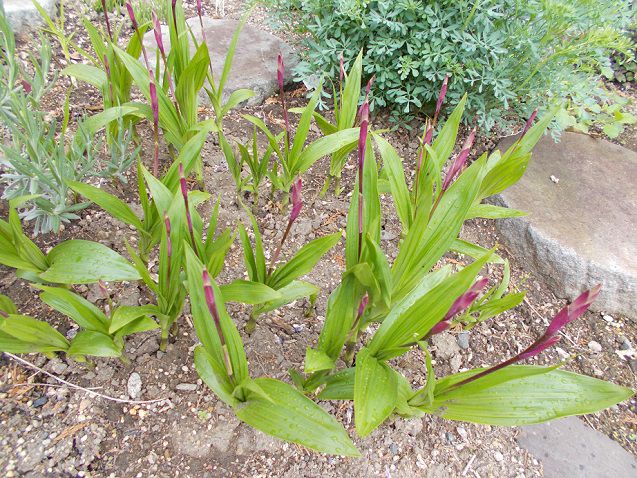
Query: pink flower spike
x=26, y=86
x=536, y=349
x=441, y=97
x=131, y=14
x=363, y=305
x=362, y=138
x=209, y=296
x=169, y=245
x=280, y=71
x=573, y=310
x=154, y=102
x=460, y=161
x=529, y=123
x=370, y=83
x=199, y=10
x=108, y=23
x=466, y=299
x=342, y=72
x=182, y=182
x=439, y=327
x=297, y=200
x=158, y=37
x=107, y=67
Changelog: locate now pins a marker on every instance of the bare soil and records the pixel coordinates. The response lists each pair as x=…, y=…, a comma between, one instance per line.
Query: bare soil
x=49, y=428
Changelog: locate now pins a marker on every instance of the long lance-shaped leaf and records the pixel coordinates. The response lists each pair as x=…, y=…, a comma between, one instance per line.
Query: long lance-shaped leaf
x=36, y=333
x=350, y=95
x=248, y=292
x=84, y=313
x=302, y=130
x=205, y=326
x=291, y=416
x=446, y=139
x=424, y=246
x=303, y=261
x=84, y=262
x=396, y=175
x=375, y=392
x=409, y=323
x=190, y=83
x=110, y=203
x=523, y=394
x=295, y=290
x=325, y=146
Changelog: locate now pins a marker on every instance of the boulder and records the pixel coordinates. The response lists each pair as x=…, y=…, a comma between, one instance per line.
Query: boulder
x=255, y=58
x=581, y=228
x=22, y=14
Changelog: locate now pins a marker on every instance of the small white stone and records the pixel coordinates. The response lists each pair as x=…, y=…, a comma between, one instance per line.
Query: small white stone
x=134, y=385
x=594, y=347
x=498, y=456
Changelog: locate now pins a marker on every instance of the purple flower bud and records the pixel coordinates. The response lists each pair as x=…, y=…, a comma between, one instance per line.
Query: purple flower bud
x=174, y=10
x=108, y=23
x=460, y=161
x=214, y=312
x=297, y=200
x=184, y=193
x=158, y=37
x=466, y=299
x=199, y=10
x=363, y=305
x=342, y=72
x=131, y=14
x=529, y=123
x=369, y=85
x=550, y=337
x=439, y=327
x=441, y=98
x=153, y=102
x=280, y=71
x=169, y=245
x=362, y=138
x=107, y=67
x=26, y=86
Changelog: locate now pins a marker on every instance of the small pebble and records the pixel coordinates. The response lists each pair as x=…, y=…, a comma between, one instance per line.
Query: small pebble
x=594, y=347
x=498, y=456
x=38, y=402
x=134, y=385
x=186, y=387
x=463, y=340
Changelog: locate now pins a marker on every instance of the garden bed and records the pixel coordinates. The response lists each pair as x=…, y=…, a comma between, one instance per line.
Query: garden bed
x=53, y=429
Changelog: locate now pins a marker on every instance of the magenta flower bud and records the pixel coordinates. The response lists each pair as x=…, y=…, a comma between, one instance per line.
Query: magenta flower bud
x=529, y=123
x=26, y=86
x=550, y=337
x=342, y=71
x=460, y=160
x=466, y=299
x=169, y=245
x=108, y=23
x=182, y=182
x=154, y=102
x=297, y=200
x=199, y=10
x=214, y=312
x=441, y=97
x=107, y=67
x=158, y=37
x=280, y=71
x=439, y=327
x=363, y=305
x=174, y=10
x=369, y=85
x=184, y=193
x=131, y=14
x=362, y=138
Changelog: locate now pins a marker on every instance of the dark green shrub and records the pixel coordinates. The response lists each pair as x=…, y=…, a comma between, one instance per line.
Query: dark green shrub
x=506, y=53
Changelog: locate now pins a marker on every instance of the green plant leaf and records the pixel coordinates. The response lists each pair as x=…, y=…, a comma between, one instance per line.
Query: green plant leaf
x=315, y=361
x=460, y=246
x=339, y=386
x=248, y=292
x=295, y=290
x=375, y=392
x=489, y=211
x=83, y=313
x=524, y=394
x=111, y=204
x=88, y=342
x=325, y=146
x=303, y=261
x=7, y=306
x=291, y=416
x=213, y=376
x=83, y=262
x=87, y=73
x=32, y=331
x=126, y=314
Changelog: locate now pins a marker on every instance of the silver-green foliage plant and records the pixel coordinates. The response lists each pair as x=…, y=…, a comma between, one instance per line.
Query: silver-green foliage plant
x=403, y=304
x=508, y=53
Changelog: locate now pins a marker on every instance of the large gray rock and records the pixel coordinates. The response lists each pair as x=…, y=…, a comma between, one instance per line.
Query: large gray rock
x=255, y=58
x=568, y=448
x=581, y=196
x=22, y=14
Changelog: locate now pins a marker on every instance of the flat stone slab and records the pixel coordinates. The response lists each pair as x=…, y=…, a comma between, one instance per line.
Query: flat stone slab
x=581, y=230
x=255, y=58
x=22, y=14
x=568, y=448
